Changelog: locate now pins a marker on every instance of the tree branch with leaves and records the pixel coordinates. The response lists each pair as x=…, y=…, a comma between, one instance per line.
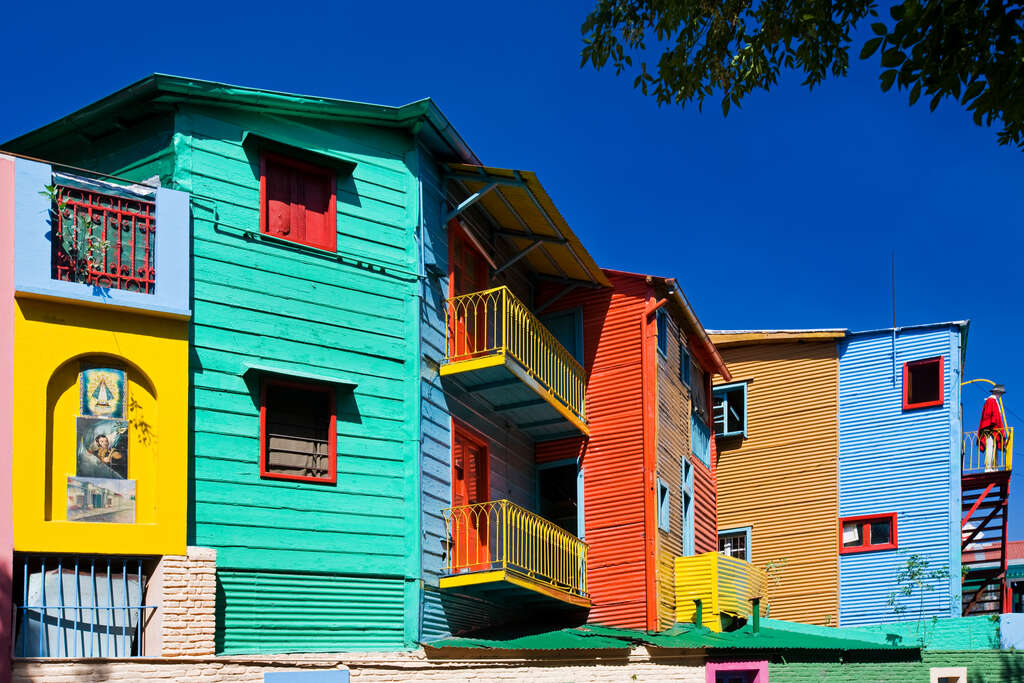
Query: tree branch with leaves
x=683, y=51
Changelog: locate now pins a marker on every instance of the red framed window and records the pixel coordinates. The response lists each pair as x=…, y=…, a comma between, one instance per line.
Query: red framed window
x=867, y=532
x=298, y=202
x=924, y=383
x=298, y=432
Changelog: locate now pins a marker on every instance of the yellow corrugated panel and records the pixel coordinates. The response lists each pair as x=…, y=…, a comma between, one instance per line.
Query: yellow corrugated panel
x=782, y=480
x=724, y=585
x=695, y=580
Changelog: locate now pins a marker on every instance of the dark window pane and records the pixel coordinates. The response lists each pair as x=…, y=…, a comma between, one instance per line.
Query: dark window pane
x=881, y=532
x=558, y=493
x=297, y=431
x=924, y=383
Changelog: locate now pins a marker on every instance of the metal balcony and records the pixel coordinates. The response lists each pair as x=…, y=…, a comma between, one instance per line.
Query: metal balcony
x=977, y=461
x=498, y=547
x=502, y=352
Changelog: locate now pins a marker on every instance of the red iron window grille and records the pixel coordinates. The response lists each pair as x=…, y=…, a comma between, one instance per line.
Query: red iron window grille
x=103, y=240
x=867, y=532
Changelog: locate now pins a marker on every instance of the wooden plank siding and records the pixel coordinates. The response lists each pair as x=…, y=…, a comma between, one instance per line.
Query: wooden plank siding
x=782, y=479
x=511, y=452
x=266, y=302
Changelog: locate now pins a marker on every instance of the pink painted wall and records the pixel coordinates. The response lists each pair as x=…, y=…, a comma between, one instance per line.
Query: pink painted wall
x=757, y=670
x=6, y=412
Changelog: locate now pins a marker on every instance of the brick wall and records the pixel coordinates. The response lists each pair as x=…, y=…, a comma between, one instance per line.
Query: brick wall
x=185, y=588
x=554, y=667
x=983, y=666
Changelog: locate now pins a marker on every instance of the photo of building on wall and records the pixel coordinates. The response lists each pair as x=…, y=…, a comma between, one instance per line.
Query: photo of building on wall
x=102, y=448
x=101, y=500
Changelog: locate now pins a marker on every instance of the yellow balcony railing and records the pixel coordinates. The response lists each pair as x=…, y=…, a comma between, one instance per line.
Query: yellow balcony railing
x=494, y=322
x=724, y=585
x=501, y=536
x=978, y=458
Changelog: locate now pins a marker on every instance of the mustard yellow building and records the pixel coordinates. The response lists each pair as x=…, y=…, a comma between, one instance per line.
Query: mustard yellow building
x=776, y=431
x=95, y=351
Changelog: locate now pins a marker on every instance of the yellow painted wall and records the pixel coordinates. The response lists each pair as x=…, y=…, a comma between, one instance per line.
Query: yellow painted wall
x=783, y=479
x=52, y=339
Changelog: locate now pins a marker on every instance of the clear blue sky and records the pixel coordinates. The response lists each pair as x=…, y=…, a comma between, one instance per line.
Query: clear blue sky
x=782, y=215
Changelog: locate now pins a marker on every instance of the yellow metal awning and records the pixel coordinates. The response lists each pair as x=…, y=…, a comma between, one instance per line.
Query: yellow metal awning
x=528, y=219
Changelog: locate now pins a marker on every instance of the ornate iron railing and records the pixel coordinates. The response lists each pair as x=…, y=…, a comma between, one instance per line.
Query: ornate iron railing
x=494, y=321
x=977, y=457
x=499, y=534
x=103, y=240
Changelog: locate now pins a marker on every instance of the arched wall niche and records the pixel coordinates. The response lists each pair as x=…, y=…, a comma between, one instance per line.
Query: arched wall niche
x=74, y=438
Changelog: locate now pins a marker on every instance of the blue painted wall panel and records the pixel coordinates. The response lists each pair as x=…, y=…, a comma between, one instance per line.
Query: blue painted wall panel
x=891, y=460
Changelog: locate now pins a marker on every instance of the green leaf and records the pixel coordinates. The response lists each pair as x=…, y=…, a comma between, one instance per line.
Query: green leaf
x=725, y=106
x=879, y=28
x=974, y=90
x=870, y=47
x=893, y=57
x=888, y=78
x=935, y=102
x=915, y=92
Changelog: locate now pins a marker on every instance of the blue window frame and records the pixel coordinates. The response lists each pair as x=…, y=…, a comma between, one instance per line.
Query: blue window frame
x=664, y=500
x=687, y=499
x=684, y=365
x=572, y=465
x=729, y=405
x=662, y=320
x=700, y=439
x=735, y=542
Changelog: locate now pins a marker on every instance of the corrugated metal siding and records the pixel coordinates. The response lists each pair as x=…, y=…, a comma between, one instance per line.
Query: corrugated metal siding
x=285, y=612
x=613, y=460
x=706, y=506
x=891, y=460
x=673, y=444
x=782, y=479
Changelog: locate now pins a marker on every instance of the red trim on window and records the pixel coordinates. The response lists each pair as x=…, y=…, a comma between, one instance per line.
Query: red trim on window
x=330, y=242
x=865, y=533
x=941, y=360
x=332, y=432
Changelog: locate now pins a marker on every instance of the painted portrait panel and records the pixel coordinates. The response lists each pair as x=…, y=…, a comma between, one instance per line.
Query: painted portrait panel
x=103, y=392
x=102, y=448
x=101, y=500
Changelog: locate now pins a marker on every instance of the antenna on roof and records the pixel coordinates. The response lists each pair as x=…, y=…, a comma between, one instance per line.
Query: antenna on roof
x=892, y=285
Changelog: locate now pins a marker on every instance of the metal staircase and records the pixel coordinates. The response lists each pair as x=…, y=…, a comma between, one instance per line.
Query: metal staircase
x=985, y=490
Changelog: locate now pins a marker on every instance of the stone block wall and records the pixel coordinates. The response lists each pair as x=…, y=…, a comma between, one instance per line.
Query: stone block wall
x=185, y=589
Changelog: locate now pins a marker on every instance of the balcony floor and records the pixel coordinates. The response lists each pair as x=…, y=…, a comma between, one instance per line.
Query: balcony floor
x=510, y=585
x=510, y=390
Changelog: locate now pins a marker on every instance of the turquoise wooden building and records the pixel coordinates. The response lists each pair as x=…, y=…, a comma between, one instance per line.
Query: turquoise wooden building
x=305, y=360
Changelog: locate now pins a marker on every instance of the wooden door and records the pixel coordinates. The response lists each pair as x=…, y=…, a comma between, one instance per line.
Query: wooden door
x=468, y=336
x=472, y=516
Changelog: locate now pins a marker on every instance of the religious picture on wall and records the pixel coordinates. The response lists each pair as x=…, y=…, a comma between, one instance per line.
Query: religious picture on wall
x=101, y=500
x=102, y=448
x=102, y=392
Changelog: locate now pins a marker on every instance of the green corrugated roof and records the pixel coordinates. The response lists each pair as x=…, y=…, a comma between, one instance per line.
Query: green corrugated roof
x=773, y=635
x=579, y=638
x=953, y=633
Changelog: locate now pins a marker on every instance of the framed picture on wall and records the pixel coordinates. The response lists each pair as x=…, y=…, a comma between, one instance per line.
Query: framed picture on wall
x=101, y=500
x=102, y=448
x=102, y=392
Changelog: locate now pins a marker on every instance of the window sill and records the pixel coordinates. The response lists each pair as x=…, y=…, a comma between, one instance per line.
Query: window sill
x=916, y=406
x=868, y=549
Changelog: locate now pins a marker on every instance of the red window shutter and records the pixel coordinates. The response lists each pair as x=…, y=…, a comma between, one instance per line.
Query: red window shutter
x=299, y=203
